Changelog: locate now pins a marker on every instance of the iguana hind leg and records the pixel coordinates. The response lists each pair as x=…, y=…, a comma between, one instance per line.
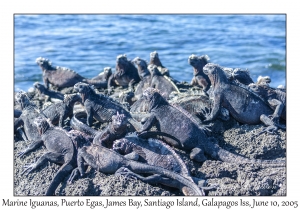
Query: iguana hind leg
x=49, y=156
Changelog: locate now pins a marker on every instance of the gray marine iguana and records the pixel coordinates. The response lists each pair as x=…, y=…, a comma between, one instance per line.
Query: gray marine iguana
x=26, y=119
x=190, y=135
x=108, y=161
x=100, y=81
x=116, y=129
x=158, y=81
x=243, y=104
x=125, y=73
x=154, y=152
x=101, y=107
x=144, y=75
x=42, y=90
x=154, y=59
x=199, y=78
x=275, y=97
x=58, y=76
x=61, y=150
x=60, y=111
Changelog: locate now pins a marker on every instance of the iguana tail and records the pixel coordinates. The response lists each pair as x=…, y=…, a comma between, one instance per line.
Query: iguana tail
x=80, y=126
x=138, y=167
x=63, y=172
x=218, y=153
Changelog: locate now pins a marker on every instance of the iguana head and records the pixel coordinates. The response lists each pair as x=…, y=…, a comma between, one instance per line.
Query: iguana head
x=84, y=90
x=142, y=66
x=242, y=75
x=198, y=62
x=122, y=64
x=154, y=98
x=42, y=124
x=154, y=59
x=122, y=146
x=41, y=88
x=44, y=63
x=154, y=70
x=22, y=99
x=107, y=71
x=215, y=73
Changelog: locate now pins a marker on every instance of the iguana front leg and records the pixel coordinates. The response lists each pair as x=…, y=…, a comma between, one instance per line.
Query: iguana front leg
x=215, y=109
x=278, y=110
x=89, y=118
x=151, y=120
x=30, y=148
x=17, y=123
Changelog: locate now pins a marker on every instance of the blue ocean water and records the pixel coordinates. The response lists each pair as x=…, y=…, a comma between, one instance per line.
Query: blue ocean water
x=86, y=43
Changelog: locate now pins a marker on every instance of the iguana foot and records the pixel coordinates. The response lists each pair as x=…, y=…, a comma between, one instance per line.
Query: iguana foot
x=126, y=173
x=197, y=154
x=74, y=175
x=20, y=154
x=28, y=168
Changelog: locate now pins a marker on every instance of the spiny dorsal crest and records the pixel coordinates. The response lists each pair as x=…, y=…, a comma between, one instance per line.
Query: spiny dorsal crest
x=121, y=57
x=202, y=57
x=118, y=117
x=263, y=80
x=150, y=92
x=41, y=60
x=153, y=54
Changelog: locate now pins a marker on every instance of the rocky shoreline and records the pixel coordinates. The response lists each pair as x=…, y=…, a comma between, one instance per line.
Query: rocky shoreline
x=232, y=179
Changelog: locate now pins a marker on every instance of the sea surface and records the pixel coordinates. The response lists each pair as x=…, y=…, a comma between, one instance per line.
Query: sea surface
x=86, y=43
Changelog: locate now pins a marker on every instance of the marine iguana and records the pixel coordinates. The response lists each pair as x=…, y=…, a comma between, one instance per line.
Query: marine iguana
x=125, y=72
x=199, y=78
x=189, y=134
x=244, y=105
x=29, y=112
x=144, y=75
x=158, y=81
x=275, y=98
x=60, y=111
x=60, y=148
x=42, y=90
x=108, y=161
x=58, y=76
x=241, y=76
x=101, y=107
x=116, y=129
x=100, y=81
x=154, y=152
x=154, y=59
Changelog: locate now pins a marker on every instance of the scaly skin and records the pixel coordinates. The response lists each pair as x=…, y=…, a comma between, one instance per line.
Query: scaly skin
x=189, y=134
x=60, y=149
x=245, y=106
x=42, y=90
x=101, y=107
x=158, y=81
x=199, y=79
x=108, y=161
x=58, y=76
x=28, y=114
x=125, y=73
x=60, y=111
